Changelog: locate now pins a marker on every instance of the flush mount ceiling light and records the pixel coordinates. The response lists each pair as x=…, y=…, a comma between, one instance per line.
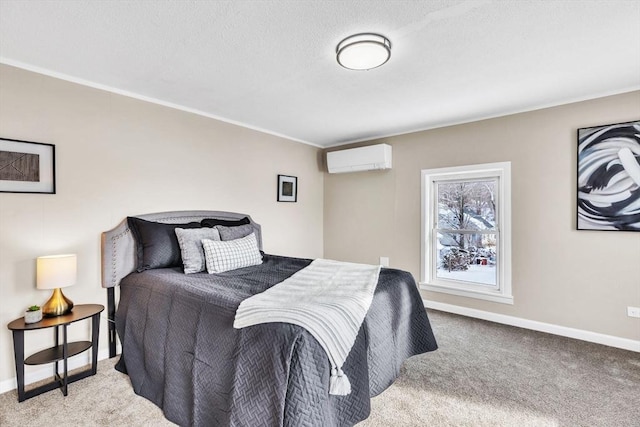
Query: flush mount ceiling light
x=363, y=51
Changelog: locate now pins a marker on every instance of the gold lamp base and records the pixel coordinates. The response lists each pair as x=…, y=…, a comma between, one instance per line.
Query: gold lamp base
x=57, y=305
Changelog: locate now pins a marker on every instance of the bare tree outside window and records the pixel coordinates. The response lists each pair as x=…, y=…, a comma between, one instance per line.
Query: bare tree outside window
x=467, y=231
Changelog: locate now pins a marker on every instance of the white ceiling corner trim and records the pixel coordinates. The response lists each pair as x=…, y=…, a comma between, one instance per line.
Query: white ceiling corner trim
x=139, y=97
x=494, y=116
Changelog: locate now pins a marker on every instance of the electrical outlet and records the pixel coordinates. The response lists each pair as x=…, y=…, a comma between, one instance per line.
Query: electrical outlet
x=384, y=261
x=633, y=311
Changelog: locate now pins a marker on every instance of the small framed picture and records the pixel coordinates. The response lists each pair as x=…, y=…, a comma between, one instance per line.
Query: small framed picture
x=287, y=188
x=27, y=167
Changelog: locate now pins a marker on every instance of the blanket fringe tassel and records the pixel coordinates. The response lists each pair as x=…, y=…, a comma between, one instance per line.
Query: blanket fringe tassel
x=339, y=383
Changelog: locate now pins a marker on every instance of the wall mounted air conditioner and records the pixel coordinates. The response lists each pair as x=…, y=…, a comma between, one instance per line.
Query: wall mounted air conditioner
x=372, y=157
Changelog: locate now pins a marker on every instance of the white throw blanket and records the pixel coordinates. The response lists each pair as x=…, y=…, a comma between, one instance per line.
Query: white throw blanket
x=328, y=298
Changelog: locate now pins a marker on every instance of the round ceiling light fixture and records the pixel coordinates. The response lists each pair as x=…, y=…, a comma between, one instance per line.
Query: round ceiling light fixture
x=363, y=51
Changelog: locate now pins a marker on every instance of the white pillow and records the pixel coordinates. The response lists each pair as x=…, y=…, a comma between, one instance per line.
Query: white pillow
x=190, y=241
x=232, y=254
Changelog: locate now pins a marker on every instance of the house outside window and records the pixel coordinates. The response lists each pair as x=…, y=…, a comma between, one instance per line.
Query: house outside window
x=466, y=231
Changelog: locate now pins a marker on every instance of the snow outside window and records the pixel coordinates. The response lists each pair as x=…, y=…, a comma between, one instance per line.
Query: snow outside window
x=466, y=227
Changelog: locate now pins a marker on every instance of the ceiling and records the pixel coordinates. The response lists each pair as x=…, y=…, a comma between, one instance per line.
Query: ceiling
x=270, y=65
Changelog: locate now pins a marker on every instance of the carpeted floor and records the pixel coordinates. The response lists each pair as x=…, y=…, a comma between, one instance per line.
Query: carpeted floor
x=484, y=374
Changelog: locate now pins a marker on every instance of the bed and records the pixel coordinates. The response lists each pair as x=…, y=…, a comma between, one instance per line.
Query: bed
x=181, y=351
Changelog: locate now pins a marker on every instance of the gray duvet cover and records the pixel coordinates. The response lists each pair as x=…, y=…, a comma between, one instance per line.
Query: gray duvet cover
x=181, y=351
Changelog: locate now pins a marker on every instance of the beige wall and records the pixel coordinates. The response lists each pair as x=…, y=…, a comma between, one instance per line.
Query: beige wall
x=118, y=156
x=577, y=279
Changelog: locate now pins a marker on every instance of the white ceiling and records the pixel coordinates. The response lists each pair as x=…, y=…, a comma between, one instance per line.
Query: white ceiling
x=270, y=65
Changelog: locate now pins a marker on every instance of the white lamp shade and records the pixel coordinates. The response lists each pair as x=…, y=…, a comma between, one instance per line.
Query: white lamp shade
x=56, y=271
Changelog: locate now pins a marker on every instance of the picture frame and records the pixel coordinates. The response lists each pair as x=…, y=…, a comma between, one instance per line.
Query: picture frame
x=287, y=188
x=27, y=167
x=608, y=177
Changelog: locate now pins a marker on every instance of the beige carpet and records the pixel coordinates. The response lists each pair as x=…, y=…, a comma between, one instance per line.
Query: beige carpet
x=484, y=374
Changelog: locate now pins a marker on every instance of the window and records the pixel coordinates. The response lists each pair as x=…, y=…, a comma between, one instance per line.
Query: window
x=466, y=227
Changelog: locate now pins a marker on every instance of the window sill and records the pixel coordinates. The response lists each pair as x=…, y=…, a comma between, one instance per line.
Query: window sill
x=487, y=296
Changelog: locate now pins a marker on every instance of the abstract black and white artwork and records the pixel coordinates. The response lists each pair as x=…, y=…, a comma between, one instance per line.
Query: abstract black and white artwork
x=27, y=167
x=609, y=177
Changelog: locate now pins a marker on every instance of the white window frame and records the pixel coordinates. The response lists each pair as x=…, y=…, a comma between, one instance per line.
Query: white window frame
x=502, y=172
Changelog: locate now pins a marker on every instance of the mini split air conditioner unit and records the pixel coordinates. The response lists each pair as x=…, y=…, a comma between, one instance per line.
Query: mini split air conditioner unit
x=372, y=157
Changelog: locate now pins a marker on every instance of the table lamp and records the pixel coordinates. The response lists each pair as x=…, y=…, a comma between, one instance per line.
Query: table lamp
x=55, y=272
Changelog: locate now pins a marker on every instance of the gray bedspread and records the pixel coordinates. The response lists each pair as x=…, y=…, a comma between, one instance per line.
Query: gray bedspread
x=181, y=351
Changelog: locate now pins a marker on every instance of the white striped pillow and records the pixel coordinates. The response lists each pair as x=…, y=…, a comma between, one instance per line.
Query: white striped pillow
x=232, y=254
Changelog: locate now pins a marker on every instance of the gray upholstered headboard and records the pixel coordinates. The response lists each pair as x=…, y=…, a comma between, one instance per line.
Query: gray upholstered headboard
x=118, y=244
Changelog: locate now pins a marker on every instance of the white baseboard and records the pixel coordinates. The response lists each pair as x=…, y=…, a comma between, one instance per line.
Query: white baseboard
x=609, y=340
x=46, y=371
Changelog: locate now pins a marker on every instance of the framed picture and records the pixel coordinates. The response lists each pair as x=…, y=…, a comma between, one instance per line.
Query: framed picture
x=27, y=167
x=609, y=177
x=287, y=188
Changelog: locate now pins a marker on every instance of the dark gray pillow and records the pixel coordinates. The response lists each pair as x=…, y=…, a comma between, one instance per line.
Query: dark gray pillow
x=156, y=243
x=233, y=233
x=212, y=222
